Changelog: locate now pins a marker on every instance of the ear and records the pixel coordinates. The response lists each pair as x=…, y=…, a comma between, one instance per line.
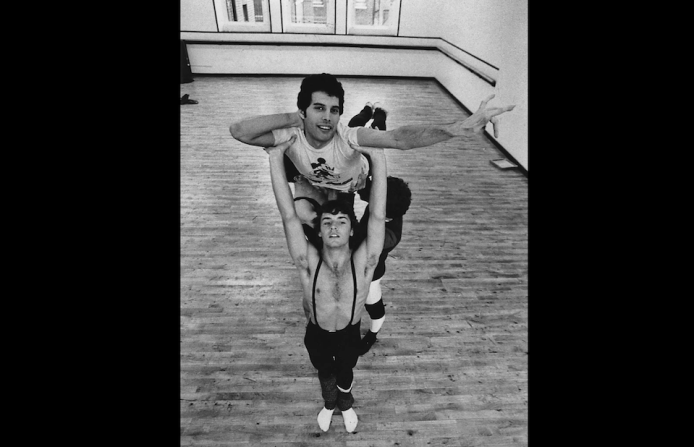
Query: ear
x=302, y=114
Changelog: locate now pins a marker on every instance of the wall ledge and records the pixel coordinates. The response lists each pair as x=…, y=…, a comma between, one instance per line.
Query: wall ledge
x=475, y=65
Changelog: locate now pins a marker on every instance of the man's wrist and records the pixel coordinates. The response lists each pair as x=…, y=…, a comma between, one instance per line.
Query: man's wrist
x=465, y=128
x=294, y=119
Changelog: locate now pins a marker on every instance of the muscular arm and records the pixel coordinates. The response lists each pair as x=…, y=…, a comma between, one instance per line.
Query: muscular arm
x=296, y=242
x=414, y=136
x=257, y=130
x=375, y=233
x=405, y=137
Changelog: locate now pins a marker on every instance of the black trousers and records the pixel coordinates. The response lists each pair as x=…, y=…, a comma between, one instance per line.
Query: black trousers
x=334, y=355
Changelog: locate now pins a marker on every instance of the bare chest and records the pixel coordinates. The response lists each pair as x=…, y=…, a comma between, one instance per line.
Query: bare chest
x=335, y=284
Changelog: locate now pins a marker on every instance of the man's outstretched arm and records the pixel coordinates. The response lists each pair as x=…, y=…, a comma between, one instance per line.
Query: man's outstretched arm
x=414, y=136
x=257, y=130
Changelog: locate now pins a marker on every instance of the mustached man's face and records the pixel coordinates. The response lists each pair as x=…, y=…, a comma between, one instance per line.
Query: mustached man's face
x=321, y=118
x=335, y=229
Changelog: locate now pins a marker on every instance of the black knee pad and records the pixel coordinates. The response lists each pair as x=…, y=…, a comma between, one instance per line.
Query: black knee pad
x=376, y=310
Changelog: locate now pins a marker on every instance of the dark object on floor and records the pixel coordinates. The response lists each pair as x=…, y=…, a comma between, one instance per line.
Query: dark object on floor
x=185, y=100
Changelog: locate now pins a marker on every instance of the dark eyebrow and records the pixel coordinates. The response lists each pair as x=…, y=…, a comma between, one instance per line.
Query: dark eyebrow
x=328, y=217
x=323, y=105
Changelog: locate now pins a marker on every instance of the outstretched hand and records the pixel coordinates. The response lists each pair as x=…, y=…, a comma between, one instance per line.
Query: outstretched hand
x=280, y=148
x=478, y=120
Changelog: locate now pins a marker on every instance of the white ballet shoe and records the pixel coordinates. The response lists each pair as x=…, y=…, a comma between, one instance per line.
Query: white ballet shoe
x=324, y=418
x=350, y=419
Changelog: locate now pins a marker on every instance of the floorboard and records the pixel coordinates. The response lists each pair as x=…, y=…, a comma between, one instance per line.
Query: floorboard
x=450, y=367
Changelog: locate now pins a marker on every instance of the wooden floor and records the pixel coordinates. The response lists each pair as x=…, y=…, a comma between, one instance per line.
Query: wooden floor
x=451, y=364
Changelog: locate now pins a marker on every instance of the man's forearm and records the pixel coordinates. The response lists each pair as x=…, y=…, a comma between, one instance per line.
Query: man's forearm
x=415, y=136
x=250, y=128
x=379, y=186
x=280, y=187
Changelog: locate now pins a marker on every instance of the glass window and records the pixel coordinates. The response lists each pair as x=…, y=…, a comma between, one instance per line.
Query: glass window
x=373, y=17
x=243, y=15
x=309, y=16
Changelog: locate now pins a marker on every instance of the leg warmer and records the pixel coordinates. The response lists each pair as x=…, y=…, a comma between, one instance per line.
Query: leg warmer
x=376, y=310
x=328, y=386
x=344, y=399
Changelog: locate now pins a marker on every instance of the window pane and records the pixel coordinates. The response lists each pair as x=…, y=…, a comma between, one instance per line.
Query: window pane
x=373, y=12
x=310, y=11
x=244, y=16
x=250, y=11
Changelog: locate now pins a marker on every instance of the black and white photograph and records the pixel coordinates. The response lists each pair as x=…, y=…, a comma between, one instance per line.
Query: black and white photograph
x=353, y=223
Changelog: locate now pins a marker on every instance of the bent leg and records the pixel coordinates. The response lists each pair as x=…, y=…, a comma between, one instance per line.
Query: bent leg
x=374, y=306
x=379, y=121
x=361, y=118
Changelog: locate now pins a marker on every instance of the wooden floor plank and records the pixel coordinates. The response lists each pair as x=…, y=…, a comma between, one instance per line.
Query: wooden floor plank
x=450, y=364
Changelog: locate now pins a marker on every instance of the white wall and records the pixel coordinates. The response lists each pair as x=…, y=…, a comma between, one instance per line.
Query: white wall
x=256, y=59
x=494, y=31
x=197, y=15
x=512, y=83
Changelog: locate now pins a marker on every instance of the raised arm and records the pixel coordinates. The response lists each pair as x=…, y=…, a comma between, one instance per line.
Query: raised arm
x=414, y=136
x=257, y=130
x=293, y=231
x=375, y=230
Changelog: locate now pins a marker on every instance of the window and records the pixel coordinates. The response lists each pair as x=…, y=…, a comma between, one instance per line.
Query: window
x=373, y=17
x=243, y=15
x=309, y=16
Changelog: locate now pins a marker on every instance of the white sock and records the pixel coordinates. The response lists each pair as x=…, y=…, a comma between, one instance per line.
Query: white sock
x=350, y=419
x=324, y=418
x=376, y=324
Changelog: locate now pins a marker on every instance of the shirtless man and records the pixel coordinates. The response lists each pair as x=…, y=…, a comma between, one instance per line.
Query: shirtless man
x=335, y=280
x=398, y=202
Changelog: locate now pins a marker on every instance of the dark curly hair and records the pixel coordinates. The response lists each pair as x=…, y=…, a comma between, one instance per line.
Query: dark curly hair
x=399, y=196
x=334, y=207
x=323, y=82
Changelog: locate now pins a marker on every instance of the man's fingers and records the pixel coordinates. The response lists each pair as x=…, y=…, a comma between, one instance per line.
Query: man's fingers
x=495, y=124
x=484, y=102
x=288, y=143
x=499, y=110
